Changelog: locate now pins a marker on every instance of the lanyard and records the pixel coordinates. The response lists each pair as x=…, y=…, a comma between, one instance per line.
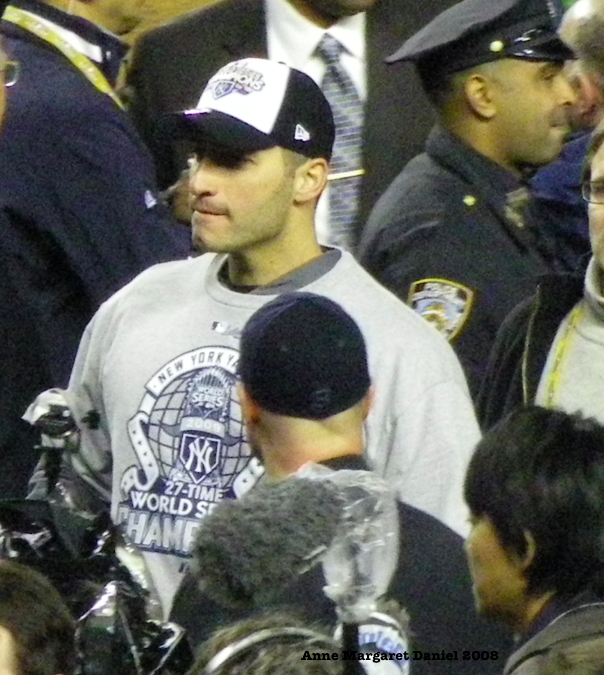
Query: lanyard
x=553, y=383
x=81, y=62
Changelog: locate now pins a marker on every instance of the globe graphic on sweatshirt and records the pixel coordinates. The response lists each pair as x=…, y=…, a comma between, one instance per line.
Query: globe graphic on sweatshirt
x=195, y=429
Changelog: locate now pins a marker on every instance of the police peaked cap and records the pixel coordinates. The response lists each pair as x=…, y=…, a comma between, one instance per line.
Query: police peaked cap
x=478, y=31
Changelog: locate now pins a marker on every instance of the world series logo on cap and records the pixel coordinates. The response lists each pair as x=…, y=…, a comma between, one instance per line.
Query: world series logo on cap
x=238, y=78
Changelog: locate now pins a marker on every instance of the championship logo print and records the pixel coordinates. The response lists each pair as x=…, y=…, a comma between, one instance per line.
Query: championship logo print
x=191, y=453
x=238, y=78
x=204, y=423
x=444, y=304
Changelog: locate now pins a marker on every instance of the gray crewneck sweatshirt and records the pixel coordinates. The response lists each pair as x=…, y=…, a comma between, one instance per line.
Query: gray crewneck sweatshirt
x=159, y=363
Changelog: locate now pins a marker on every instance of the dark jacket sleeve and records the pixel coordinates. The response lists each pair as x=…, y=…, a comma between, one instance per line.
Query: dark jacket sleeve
x=503, y=386
x=22, y=376
x=113, y=224
x=83, y=211
x=421, y=229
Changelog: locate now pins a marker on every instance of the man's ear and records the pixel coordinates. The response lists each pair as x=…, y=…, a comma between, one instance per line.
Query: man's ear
x=478, y=93
x=250, y=411
x=310, y=180
x=525, y=560
x=368, y=401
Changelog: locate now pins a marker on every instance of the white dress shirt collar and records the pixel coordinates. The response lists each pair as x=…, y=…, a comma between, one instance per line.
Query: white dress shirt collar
x=293, y=38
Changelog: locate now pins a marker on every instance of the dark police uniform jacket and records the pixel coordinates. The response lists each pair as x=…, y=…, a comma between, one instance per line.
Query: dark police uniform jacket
x=431, y=582
x=454, y=237
x=77, y=187
x=172, y=64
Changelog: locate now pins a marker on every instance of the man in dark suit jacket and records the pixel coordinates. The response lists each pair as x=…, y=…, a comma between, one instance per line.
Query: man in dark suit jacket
x=172, y=64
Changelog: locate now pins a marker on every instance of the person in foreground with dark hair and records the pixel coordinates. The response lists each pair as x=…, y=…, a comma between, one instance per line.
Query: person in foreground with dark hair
x=272, y=644
x=37, y=632
x=535, y=488
x=305, y=392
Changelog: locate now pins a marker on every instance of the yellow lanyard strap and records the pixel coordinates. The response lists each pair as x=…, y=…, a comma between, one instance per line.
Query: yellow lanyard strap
x=555, y=376
x=81, y=62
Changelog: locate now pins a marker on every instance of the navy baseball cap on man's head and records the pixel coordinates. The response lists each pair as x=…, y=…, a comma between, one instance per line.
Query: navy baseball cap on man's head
x=303, y=356
x=256, y=104
x=479, y=31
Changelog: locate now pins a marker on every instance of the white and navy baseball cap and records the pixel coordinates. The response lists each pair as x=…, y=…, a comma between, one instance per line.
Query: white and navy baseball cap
x=256, y=104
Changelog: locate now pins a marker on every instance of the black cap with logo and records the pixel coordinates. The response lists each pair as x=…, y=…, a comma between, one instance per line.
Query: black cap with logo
x=303, y=356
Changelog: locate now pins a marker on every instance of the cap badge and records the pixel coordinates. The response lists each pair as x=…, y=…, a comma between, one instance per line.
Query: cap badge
x=236, y=78
x=496, y=46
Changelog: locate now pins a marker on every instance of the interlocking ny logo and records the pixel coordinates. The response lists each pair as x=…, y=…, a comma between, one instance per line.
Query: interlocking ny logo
x=199, y=455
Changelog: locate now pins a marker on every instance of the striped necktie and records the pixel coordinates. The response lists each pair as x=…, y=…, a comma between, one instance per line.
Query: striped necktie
x=347, y=154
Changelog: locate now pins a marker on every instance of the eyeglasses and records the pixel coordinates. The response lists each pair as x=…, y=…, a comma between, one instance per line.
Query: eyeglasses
x=593, y=191
x=10, y=71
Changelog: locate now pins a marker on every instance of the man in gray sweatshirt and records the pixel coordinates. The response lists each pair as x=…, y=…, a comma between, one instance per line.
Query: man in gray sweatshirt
x=158, y=362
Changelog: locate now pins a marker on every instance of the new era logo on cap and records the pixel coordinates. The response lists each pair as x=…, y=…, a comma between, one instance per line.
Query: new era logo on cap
x=301, y=134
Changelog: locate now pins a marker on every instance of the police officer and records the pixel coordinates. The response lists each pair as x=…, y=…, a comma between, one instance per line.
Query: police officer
x=454, y=235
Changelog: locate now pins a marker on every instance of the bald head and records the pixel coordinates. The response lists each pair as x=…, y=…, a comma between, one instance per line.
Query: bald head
x=582, y=28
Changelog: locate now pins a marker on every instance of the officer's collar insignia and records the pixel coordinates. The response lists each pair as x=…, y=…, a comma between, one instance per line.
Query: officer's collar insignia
x=516, y=204
x=555, y=11
x=444, y=304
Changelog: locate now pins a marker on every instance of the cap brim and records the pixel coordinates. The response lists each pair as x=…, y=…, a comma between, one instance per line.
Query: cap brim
x=548, y=47
x=203, y=125
x=399, y=55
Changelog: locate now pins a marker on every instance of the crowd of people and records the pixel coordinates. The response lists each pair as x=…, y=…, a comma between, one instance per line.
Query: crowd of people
x=365, y=236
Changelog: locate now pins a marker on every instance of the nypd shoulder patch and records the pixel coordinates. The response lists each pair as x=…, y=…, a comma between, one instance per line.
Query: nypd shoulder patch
x=444, y=304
